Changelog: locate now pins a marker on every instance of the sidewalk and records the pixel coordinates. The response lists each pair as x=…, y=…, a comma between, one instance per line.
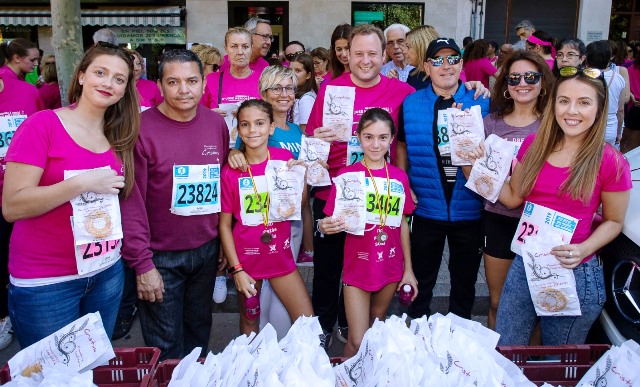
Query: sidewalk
x=225, y=316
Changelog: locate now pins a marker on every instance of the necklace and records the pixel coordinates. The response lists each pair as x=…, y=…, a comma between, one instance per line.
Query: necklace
x=382, y=236
x=266, y=237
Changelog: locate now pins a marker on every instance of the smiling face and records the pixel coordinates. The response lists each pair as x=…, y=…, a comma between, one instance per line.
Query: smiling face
x=283, y=102
x=365, y=59
x=254, y=127
x=444, y=78
x=137, y=67
x=396, y=46
x=524, y=93
x=342, y=51
x=576, y=108
x=238, y=50
x=261, y=46
x=105, y=81
x=375, y=140
x=412, y=55
x=181, y=86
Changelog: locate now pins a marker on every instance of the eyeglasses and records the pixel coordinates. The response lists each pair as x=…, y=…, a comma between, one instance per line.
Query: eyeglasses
x=399, y=42
x=266, y=37
x=590, y=72
x=293, y=55
x=569, y=56
x=214, y=66
x=277, y=90
x=530, y=77
x=439, y=60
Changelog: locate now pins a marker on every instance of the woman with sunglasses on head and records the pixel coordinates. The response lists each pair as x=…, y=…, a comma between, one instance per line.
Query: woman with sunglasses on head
x=17, y=58
x=91, y=143
x=520, y=94
x=544, y=45
x=321, y=64
x=240, y=82
x=148, y=91
x=209, y=56
x=339, y=50
x=567, y=167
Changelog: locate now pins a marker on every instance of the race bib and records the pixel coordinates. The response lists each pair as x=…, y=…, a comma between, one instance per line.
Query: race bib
x=443, y=133
x=395, y=204
x=97, y=255
x=535, y=217
x=8, y=125
x=253, y=209
x=354, y=151
x=196, y=190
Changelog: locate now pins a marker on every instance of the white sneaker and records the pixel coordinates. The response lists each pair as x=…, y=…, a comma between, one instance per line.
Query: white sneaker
x=220, y=290
x=6, y=334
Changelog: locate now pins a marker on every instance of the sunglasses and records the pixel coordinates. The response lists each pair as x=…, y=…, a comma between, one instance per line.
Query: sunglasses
x=590, y=72
x=214, y=66
x=293, y=55
x=530, y=77
x=439, y=60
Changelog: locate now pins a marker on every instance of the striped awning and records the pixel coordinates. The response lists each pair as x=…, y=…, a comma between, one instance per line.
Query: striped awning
x=156, y=17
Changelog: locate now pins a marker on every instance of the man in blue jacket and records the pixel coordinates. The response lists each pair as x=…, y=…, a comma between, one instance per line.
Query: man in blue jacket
x=445, y=209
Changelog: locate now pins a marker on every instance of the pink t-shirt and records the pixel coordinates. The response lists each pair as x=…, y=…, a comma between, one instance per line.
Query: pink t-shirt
x=259, y=260
x=550, y=62
x=479, y=70
x=7, y=73
x=50, y=95
x=42, y=246
x=233, y=89
x=370, y=265
x=550, y=178
x=388, y=94
x=148, y=93
x=257, y=66
x=17, y=98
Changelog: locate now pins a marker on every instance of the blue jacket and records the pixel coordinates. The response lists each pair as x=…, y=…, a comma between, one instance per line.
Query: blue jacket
x=424, y=169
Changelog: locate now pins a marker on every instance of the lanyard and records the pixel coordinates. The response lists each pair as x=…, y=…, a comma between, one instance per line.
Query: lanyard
x=265, y=218
x=378, y=198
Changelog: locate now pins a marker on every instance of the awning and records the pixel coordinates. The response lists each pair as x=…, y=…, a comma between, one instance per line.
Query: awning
x=157, y=17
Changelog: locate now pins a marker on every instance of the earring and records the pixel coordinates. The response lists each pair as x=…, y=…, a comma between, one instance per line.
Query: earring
x=507, y=96
x=80, y=82
x=543, y=92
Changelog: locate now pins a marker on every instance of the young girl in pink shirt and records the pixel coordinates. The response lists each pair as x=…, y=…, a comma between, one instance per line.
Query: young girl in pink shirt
x=377, y=263
x=257, y=252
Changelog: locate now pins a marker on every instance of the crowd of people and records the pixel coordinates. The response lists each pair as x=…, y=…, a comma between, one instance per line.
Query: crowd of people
x=142, y=197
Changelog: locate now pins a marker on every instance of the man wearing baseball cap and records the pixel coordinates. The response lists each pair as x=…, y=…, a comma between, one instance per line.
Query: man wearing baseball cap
x=446, y=209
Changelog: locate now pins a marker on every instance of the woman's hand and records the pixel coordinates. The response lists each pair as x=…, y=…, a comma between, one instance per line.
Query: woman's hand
x=325, y=133
x=293, y=162
x=237, y=160
x=480, y=89
x=104, y=181
x=245, y=284
x=319, y=80
x=409, y=278
x=569, y=256
x=220, y=111
x=331, y=226
x=476, y=154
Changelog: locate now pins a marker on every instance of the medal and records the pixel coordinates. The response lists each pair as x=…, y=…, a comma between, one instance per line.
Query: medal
x=266, y=238
x=382, y=236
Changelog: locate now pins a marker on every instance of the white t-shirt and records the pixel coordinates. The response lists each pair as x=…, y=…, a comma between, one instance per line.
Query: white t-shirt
x=302, y=108
x=616, y=85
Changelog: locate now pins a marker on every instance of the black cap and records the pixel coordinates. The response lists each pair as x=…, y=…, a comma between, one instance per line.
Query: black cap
x=440, y=43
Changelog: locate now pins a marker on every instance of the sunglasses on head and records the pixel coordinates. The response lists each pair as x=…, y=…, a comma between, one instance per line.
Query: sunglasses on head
x=293, y=55
x=530, y=77
x=590, y=72
x=439, y=60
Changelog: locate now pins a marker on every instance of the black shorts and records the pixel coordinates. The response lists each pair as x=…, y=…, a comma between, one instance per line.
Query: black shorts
x=498, y=234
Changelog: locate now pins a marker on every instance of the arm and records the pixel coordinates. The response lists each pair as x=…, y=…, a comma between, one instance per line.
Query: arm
x=510, y=193
x=23, y=197
x=614, y=208
x=407, y=276
x=480, y=89
x=237, y=160
x=626, y=92
x=242, y=280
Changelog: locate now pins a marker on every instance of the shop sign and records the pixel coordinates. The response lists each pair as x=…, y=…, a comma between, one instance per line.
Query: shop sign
x=151, y=35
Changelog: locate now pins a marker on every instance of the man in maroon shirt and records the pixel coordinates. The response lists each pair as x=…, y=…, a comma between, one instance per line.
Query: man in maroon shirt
x=170, y=221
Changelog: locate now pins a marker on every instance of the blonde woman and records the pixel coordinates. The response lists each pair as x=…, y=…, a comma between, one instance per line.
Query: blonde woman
x=418, y=40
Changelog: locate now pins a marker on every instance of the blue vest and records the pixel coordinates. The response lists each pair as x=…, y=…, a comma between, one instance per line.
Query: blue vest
x=424, y=171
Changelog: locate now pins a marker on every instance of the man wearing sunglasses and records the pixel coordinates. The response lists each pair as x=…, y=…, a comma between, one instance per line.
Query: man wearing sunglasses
x=397, y=66
x=446, y=209
x=261, y=39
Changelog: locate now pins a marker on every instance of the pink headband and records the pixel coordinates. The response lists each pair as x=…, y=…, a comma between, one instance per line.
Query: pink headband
x=532, y=39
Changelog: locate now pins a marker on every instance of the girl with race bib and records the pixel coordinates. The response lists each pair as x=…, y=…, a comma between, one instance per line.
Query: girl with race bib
x=567, y=167
x=257, y=249
x=377, y=263
x=55, y=278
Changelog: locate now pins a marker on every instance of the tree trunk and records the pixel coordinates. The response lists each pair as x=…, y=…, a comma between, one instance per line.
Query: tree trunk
x=67, y=41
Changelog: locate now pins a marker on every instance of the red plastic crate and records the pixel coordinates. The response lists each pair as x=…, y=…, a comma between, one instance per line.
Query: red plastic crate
x=127, y=369
x=570, y=364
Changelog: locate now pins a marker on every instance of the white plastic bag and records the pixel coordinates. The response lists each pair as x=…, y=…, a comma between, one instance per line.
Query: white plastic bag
x=466, y=132
x=350, y=203
x=285, y=186
x=489, y=173
x=312, y=152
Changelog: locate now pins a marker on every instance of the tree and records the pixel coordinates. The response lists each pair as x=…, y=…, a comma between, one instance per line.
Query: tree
x=67, y=41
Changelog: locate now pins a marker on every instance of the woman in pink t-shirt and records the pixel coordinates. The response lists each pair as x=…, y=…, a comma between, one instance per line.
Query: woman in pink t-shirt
x=477, y=67
x=17, y=58
x=148, y=91
x=262, y=251
x=377, y=263
x=55, y=280
x=50, y=91
x=567, y=167
x=339, y=50
x=321, y=65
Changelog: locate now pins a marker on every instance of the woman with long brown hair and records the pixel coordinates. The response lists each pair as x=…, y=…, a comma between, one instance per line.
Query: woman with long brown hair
x=339, y=50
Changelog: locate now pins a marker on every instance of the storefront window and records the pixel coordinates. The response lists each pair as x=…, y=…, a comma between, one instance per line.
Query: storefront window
x=383, y=15
x=13, y=32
